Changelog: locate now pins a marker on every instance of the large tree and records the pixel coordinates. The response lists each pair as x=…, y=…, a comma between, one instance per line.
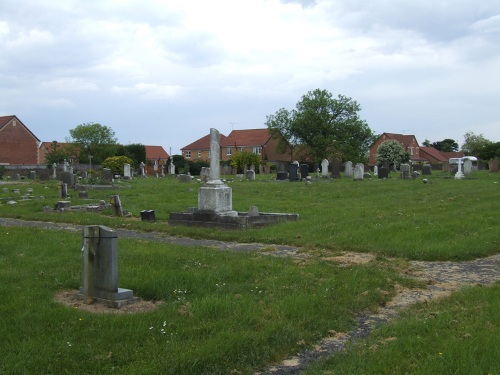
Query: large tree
x=329, y=127
x=94, y=139
x=474, y=143
x=446, y=145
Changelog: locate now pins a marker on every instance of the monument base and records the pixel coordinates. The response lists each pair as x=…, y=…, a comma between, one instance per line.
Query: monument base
x=459, y=175
x=217, y=198
x=113, y=299
x=240, y=220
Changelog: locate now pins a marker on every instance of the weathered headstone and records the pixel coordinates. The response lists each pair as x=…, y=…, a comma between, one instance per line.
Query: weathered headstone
x=349, y=171
x=148, y=215
x=324, y=168
x=16, y=177
x=107, y=175
x=184, y=178
x=375, y=170
x=142, y=167
x=32, y=175
x=336, y=168
x=83, y=194
x=405, y=171
x=426, y=170
x=359, y=172
x=63, y=189
x=250, y=175
x=155, y=166
x=204, y=173
x=493, y=165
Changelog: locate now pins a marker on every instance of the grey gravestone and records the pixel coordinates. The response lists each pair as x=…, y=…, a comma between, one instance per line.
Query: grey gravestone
x=375, y=170
x=126, y=171
x=32, y=175
x=16, y=177
x=282, y=176
x=83, y=194
x=324, y=168
x=68, y=178
x=426, y=170
x=100, y=267
x=304, y=171
x=84, y=174
x=107, y=175
x=184, y=178
x=293, y=174
x=467, y=167
x=148, y=215
x=336, y=168
x=204, y=173
x=405, y=171
x=349, y=171
x=359, y=172
x=250, y=175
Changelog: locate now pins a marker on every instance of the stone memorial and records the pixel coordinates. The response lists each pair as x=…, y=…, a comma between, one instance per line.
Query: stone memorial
x=100, y=268
x=282, y=176
x=32, y=175
x=107, y=175
x=304, y=171
x=336, y=168
x=54, y=171
x=324, y=168
x=426, y=170
x=126, y=171
x=250, y=175
x=142, y=168
x=349, y=171
x=293, y=174
x=359, y=172
x=204, y=173
x=171, y=169
x=467, y=167
x=405, y=171
x=375, y=170
x=184, y=178
x=493, y=165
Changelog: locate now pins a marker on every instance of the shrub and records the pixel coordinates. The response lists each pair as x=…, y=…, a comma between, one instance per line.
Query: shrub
x=116, y=163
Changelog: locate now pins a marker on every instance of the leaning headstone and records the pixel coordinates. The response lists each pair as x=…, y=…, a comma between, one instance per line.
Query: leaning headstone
x=426, y=170
x=304, y=171
x=324, y=168
x=117, y=205
x=359, y=172
x=336, y=168
x=405, y=171
x=349, y=170
x=293, y=174
x=250, y=175
x=467, y=167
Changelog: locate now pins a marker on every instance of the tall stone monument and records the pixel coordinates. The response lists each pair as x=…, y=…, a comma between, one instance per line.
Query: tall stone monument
x=215, y=196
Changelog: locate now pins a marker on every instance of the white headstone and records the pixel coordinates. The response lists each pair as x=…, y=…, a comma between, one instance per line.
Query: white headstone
x=324, y=168
x=348, y=169
x=126, y=171
x=467, y=167
x=359, y=172
x=375, y=171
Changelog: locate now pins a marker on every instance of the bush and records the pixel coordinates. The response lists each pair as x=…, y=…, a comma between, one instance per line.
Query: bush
x=116, y=163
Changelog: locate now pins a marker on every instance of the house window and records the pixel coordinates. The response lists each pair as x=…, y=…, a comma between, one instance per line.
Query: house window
x=257, y=150
x=199, y=154
x=411, y=151
x=242, y=149
x=228, y=151
x=14, y=123
x=188, y=154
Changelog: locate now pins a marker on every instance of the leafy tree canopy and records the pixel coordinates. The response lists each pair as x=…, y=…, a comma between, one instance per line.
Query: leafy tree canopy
x=490, y=151
x=56, y=154
x=391, y=152
x=446, y=145
x=474, y=143
x=242, y=159
x=134, y=151
x=94, y=139
x=329, y=127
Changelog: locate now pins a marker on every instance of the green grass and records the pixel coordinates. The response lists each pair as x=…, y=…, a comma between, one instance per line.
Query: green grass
x=458, y=335
x=445, y=219
x=221, y=310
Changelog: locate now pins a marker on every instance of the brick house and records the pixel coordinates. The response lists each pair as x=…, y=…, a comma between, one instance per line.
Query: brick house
x=257, y=141
x=432, y=155
x=18, y=145
x=199, y=149
x=46, y=147
x=409, y=143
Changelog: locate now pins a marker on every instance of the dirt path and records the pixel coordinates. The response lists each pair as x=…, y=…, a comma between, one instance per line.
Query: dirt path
x=441, y=278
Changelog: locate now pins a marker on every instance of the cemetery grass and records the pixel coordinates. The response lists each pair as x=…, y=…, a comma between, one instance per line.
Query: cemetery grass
x=219, y=312
x=445, y=219
x=457, y=335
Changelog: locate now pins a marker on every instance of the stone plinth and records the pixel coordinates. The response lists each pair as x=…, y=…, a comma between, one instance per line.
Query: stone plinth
x=216, y=198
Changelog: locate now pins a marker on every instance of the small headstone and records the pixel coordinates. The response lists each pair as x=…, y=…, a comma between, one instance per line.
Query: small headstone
x=32, y=175
x=126, y=171
x=493, y=165
x=16, y=191
x=253, y=211
x=349, y=170
x=324, y=168
x=281, y=176
x=171, y=169
x=336, y=168
x=184, y=178
x=250, y=175
x=375, y=170
x=107, y=175
x=204, y=173
x=426, y=170
x=61, y=205
x=16, y=177
x=84, y=174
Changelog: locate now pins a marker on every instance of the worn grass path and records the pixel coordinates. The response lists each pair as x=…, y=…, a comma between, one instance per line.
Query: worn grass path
x=440, y=278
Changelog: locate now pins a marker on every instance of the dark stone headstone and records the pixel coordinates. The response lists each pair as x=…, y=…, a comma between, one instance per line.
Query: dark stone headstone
x=304, y=171
x=148, y=215
x=335, y=165
x=426, y=170
x=293, y=175
x=281, y=176
x=107, y=175
x=68, y=178
x=383, y=172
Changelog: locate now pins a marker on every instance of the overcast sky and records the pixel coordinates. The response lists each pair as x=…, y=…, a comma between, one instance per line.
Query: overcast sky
x=163, y=72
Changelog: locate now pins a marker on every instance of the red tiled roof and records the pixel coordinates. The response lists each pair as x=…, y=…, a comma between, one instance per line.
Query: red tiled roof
x=155, y=153
x=248, y=137
x=453, y=154
x=434, y=153
x=202, y=143
x=406, y=140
